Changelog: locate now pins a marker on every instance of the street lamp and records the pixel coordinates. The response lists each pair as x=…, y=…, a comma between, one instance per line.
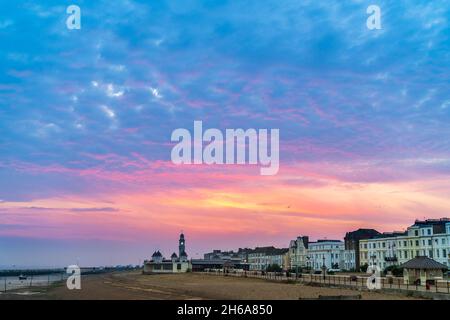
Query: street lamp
x=309, y=264
x=324, y=268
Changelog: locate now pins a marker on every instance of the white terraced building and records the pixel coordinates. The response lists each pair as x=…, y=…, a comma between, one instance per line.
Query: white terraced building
x=326, y=252
x=430, y=238
x=349, y=260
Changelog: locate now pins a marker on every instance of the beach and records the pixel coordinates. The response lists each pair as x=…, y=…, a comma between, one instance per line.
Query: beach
x=133, y=285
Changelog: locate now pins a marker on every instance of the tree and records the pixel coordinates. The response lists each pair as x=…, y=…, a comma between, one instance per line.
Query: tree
x=364, y=267
x=274, y=268
x=396, y=271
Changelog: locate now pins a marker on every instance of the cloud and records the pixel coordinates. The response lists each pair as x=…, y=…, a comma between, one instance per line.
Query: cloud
x=112, y=92
x=108, y=111
x=105, y=209
x=88, y=115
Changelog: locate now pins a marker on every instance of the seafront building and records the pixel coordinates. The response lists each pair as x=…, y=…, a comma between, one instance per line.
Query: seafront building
x=261, y=258
x=352, y=246
x=421, y=270
x=241, y=254
x=381, y=250
x=298, y=252
x=349, y=262
x=429, y=238
x=176, y=264
x=328, y=253
x=425, y=238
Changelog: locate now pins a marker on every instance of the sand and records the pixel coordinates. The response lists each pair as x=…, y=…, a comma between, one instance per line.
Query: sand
x=136, y=286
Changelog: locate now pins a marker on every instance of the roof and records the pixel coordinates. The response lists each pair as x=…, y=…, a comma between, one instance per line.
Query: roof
x=269, y=251
x=174, y=255
x=183, y=254
x=431, y=221
x=244, y=250
x=361, y=234
x=157, y=254
x=390, y=234
x=158, y=263
x=422, y=262
x=207, y=262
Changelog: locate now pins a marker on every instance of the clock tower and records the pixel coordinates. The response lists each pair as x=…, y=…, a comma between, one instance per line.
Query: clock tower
x=181, y=246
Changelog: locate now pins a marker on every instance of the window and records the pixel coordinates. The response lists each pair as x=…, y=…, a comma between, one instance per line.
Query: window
x=429, y=242
x=167, y=266
x=417, y=243
x=430, y=253
x=416, y=233
x=405, y=243
x=429, y=231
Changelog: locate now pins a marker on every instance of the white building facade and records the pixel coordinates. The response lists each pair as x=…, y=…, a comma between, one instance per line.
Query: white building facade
x=326, y=252
x=298, y=252
x=349, y=262
x=430, y=238
x=261, y=258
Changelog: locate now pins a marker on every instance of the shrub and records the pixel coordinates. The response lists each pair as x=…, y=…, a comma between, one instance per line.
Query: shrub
x=396, y=271
x=274, y=268
x=364, y=267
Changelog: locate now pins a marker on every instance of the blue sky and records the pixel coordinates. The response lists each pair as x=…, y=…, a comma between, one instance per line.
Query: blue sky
x=84, y=113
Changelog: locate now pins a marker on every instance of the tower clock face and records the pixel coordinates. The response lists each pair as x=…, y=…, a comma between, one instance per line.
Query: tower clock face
x=182, y=243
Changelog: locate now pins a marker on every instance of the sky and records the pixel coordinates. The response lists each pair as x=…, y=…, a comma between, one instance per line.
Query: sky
x=86, y=118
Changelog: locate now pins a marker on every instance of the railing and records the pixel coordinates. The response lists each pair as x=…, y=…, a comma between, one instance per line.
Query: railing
x=390, y=259
x=440, y=286
x=14, y=282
